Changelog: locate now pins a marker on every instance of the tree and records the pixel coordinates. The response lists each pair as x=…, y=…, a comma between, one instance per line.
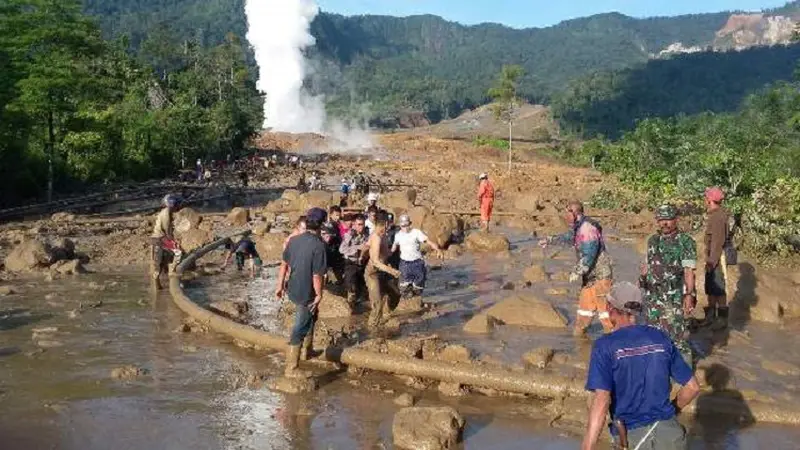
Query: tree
x=504, y=93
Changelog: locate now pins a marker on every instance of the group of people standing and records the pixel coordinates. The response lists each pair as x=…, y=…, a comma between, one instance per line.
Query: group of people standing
x=632, y=365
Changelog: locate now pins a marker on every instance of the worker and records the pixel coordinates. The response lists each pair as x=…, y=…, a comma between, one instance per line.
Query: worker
x=375, y=270
x=391, y=231
x=372, y=201
x=346, y=224
x=165, y=251
x=485, y=200
x=207, y=176
x=244, y=178
x=299, y=228
x=243, y=250
x=413, y=271
x=630, y=376
x=301, y=183
x=594, y=268
x=354, y=249
x=199, y=170
x=314, y=182
x=345, y=192
x=717, y=238
x=372, y=214
x=330, y=236
x=668, y=279
x=360, y=183
x=305, y=262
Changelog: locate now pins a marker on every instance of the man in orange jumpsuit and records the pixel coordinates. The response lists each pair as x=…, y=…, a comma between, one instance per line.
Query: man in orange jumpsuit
x=486, y=200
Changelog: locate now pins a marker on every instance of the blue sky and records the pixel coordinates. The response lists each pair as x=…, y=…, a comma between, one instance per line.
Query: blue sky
x=537, y=13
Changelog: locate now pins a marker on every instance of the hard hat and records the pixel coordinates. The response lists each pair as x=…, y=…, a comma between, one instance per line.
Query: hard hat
x=404, y=221
x=372, y=197
x=483, y=176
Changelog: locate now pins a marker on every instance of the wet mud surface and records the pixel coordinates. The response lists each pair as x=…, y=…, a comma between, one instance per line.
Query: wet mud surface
x=61, y=341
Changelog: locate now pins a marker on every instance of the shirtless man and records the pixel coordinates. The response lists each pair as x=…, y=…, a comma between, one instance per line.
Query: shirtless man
x=377, y=270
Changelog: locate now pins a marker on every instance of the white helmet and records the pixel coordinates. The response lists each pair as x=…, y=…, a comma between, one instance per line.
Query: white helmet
x=372, y=197
x=404, y=221
x=483, y=176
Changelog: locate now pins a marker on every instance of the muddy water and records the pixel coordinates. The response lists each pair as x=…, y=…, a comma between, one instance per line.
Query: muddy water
x=60, y=343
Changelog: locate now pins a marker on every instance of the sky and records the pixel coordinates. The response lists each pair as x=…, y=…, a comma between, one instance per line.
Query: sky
x=538, y=13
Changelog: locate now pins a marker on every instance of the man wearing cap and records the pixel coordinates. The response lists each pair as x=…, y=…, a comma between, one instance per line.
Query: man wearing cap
x=630, y=373
x=485, y=200
x=413, y=271
x=305, y=260
x=668, y=278
x=716, y=238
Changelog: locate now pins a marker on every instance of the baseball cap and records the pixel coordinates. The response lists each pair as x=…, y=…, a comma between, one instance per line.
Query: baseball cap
x=318, y=215
x=625, y=296
x=715, y=194
x=666, y=212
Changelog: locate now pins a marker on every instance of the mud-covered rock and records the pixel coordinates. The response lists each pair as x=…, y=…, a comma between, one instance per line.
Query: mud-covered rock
x=408, y=347
x=404, y=400
x=455, y=353
x=451, y=389
x=417, y=428
x=186, y=219
x=535, y=274
x=487, y=243
x=480, y=324
x=62, y=249
x=334, y=306
x=439, y=228
x=318, y=199
x=418, y=214
x=73, y=267
x=194, y=239
x=270, y=246
x=292, y=385
x=232, y=310
x=261, y=228
x=127, y=372
x=527, y=310
x=29, y=255
x=538, y=358
x=238, y=217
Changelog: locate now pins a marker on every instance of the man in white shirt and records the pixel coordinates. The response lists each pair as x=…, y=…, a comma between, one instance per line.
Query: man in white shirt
x=413, y=271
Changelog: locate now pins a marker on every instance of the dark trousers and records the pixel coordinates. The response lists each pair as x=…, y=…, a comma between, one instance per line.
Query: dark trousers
x=413, y=273
x=304, y=321
x=354, y=278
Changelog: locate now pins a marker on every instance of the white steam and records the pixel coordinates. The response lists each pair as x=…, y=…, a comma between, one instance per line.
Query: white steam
x=279, y=32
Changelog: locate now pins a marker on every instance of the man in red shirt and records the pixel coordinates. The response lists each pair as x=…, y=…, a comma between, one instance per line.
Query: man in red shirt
x=486, y=200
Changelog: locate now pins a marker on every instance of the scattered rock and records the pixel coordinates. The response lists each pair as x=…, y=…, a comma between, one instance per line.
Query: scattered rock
x=404, y=400
x=6, y=290
x=232, y=310
x=539, y=357
x=73, y=267
x=487, y=243
x=451, y=389
x=535, y=274
x=186, y=219
x=527, y=310
x=238, y=217
x=417, y=428
x=194, y=239
x=480, y=324
x=292, y=385
x=455, y=353
x=127, y=372
x=408, y=347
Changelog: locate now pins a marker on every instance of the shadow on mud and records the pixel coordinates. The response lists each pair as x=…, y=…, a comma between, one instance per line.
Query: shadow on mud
x=11, y=319
x=716, y=429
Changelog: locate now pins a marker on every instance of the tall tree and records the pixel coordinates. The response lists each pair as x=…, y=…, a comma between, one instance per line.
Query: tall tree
x=506, y=100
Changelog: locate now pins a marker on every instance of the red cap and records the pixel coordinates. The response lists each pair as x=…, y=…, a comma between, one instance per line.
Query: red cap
x=715, y=194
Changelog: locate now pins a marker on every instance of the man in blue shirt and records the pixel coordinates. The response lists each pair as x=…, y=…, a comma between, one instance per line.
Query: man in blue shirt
x=629, y=375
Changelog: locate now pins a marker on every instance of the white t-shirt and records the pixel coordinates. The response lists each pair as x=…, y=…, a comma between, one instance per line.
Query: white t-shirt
x=409, y=243
x=369, y=225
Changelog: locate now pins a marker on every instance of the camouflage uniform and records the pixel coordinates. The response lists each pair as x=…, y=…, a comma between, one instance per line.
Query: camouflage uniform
x=667, y=257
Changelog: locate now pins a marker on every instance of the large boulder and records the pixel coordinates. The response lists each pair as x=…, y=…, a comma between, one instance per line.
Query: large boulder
x=535, y=274
x=72, y=267
x=194, y=239
x=186, y=219
x=270, y=246
x=318, y=199
x=334, y=306
x=29, y=255
x=290, y=194
x=487, y=243
x=239, y=217
x=527, y=310
x=439, y=228
x=62, y=249
x=403, y=200
x=418, y=428
x=480, y=324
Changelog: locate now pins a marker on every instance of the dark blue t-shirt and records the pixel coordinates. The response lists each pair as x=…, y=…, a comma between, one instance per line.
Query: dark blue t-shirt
x=635, y=364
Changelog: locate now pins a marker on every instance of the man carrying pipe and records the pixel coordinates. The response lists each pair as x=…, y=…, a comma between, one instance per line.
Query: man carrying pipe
x=165, y=252
x=634, y=366
x=305, y=260
x=485, y=200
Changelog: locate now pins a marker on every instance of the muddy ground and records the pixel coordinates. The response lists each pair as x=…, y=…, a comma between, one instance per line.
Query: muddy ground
x=64, y=335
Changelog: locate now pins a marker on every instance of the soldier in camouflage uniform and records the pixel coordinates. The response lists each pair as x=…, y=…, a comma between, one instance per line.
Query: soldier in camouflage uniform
x=668, y=279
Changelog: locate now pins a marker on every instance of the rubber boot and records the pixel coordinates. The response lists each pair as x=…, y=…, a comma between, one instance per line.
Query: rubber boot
x=710, y=315
x=292, y=363
x=721, y=321
x=307, y=350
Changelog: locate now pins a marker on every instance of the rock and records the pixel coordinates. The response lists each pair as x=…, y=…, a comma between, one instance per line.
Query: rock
x=333, y=306
x=451, y=389
x=508, y=286
x=455, y=353
x=453, y=252
x=74, y=267
x=270, y=246
x=290, y=194
x=318, y=199
x=409, y=305
x=232, y=310
x=528, y=202
x=408, y=348
x=186, y=219
x=781, y=368
x=292, y=385
x=487, y=243
x=418, y=428
x=539, y=357
x=62, y=249
x=29, y=255
x=557, y=291
x=418, y=214
x=95, y=286
x=6, y=290
x=527, y=310
x=404, y=400
x=261, y=228
x=439, y=228
x=535, y=274
x=62, y=217
x=560, y=276
x=238, y=217
x=480, y=324
x=194, y=239
x=127, y=372
x=403, y=200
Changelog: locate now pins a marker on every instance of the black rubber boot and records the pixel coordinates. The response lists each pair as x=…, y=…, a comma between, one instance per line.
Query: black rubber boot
x=710, y=316
x=721, y=321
